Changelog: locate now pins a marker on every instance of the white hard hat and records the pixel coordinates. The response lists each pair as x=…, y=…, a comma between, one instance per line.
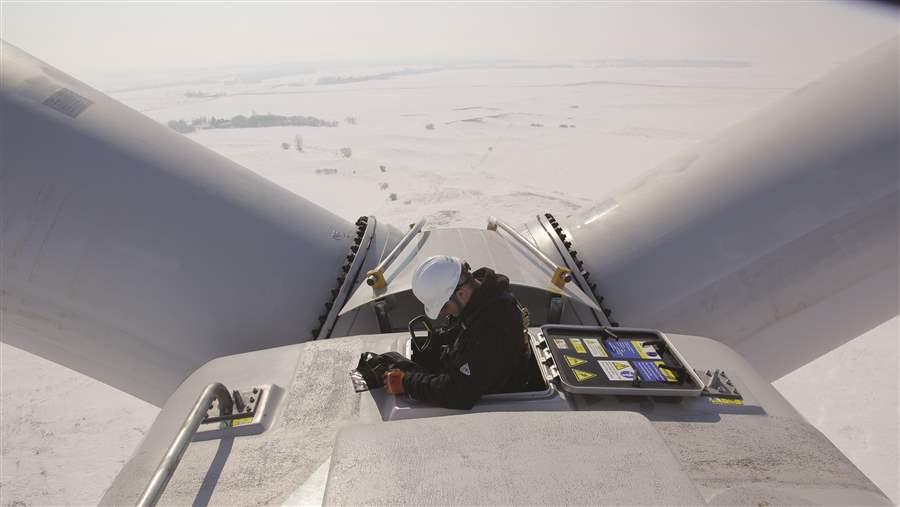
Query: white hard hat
x=434, y=282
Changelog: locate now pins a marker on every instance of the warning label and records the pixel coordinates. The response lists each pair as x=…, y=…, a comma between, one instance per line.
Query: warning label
x=579, y=347
x=560, y=343
x=650, y=371
x=594, y=346
x=575, y=361
x=621, y=349
x=581, y=376
x=667, y=373
x=631, y=349
x=617, y=370
x=646, y=351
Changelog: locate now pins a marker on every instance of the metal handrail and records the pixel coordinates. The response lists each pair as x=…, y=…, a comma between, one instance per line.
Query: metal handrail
x=375, y=277
x=561, y=275
x=169, y=463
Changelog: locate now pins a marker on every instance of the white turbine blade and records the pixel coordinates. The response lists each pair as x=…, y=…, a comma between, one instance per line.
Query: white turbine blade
x=134, y=255
x=778, y=238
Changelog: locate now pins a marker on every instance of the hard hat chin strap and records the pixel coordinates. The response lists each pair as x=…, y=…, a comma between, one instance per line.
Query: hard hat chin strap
x=464, y=279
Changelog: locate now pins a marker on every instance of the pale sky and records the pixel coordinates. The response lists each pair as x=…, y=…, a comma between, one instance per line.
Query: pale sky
x=89, y=37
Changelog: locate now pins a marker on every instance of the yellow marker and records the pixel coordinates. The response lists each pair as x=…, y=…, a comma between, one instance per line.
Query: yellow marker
x=581, y=376
x=727, y=401
x=574, y=361
x=559, y=277
x=242, y=421
x=375, y=278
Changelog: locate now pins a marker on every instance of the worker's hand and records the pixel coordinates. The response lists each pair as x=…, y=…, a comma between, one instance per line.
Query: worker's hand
x=393, y=382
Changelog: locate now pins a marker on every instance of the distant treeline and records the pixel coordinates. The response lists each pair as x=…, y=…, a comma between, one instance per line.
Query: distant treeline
x=199, y=94
x=248, y=122
x=332, y=80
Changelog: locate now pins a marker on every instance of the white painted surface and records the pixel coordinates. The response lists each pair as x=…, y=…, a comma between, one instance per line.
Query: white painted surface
x=312, y=491
x=63, y=436
x=860, y=418
x=457, y=175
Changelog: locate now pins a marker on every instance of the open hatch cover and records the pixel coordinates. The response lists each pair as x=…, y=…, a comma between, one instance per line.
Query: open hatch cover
x=620, y=361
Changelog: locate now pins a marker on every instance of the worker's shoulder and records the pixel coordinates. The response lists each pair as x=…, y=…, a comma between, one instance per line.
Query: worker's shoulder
x=493, y=295
x=503, y=311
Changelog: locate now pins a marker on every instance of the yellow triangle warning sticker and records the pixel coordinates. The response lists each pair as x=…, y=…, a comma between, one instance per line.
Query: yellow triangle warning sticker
x=574, y=361
x=581, y=376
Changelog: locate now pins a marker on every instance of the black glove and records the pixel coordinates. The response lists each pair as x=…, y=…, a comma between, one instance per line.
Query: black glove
x=372, y=366
x=397, y=361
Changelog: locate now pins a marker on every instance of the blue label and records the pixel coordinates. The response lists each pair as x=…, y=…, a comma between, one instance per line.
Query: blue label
x=648, y=371
x=621, y=349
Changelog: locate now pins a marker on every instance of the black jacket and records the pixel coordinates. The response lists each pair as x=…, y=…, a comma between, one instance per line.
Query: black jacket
x=490, y=354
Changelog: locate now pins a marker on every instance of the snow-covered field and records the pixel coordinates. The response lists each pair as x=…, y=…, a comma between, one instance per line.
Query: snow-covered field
x=453, y=144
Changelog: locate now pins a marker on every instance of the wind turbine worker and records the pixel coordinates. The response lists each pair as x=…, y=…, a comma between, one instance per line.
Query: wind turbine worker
x=486, y=351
